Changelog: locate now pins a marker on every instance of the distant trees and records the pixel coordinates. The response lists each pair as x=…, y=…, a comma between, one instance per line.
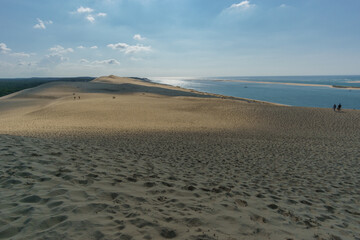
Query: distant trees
x=11, y=85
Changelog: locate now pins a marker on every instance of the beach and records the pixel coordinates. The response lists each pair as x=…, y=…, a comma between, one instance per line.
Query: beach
x=123, y=158
x=300, y=91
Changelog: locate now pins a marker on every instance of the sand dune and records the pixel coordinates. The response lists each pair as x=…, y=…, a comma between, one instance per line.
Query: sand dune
x=136, y=160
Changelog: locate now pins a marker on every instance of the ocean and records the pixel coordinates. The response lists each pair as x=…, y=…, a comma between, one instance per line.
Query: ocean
x=302, y=91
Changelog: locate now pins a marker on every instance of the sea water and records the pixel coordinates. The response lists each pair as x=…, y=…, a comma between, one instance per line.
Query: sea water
x=303, y=91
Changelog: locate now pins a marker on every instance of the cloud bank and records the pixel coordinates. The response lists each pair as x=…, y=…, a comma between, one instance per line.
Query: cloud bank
x=91, y=15
x=42, y=24
x=242, y=5
x=101, y=62
x=84, y=10
x=61, y=50
x=56, y=57
x=127, y=49
x=4, y=48
x=138, y=37
x=109, y=62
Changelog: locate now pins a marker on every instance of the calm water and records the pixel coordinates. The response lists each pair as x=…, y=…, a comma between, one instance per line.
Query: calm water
x=283, y=90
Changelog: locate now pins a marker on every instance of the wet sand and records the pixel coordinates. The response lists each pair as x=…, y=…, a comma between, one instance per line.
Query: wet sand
x=137, y=160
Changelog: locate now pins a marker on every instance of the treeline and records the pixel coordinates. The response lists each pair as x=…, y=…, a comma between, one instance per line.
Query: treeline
x=11, y=85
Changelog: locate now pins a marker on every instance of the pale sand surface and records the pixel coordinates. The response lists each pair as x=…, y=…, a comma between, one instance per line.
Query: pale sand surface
x=136, y=160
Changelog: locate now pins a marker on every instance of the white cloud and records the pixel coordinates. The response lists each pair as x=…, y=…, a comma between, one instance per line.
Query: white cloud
x=4, y=48
x=61, y=50
x=130, y=48
x=6, y=65
x=84, y=10
x=91, y=14
x=100, y=62
x=138, y=37
x=136, y=59
x=109, y=62
x=138, y=48
x=56, y=57
x=20, y=54
x=283, y=6
x=242, y=5
x=42, y=24
x=52, y=59
x=90, y=18
x=118, y=46
x=84, y=60
x=92, y=47
x=28, y=64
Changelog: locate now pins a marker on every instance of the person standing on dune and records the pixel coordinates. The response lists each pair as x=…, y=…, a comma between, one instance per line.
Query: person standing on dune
x=339, y=107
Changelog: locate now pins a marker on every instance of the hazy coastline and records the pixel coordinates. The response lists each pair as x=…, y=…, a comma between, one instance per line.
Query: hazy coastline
x=301, y=91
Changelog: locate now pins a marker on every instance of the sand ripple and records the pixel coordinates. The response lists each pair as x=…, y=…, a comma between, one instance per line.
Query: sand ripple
x=108, y=190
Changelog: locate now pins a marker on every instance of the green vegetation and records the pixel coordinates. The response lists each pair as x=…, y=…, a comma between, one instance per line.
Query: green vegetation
x=11, y=85
x=338, y=86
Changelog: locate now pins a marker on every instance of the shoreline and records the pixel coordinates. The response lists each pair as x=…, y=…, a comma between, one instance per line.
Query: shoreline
x=148, y=80
x=260, y=101
x=215, y=94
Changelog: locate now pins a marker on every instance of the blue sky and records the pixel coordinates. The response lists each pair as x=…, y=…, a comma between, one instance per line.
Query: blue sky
x=179, y=37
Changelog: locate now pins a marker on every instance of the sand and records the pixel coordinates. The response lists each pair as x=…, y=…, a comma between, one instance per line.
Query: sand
x=135, y=160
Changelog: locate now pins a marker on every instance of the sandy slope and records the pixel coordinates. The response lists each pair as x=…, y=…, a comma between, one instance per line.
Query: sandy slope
x=136, y=160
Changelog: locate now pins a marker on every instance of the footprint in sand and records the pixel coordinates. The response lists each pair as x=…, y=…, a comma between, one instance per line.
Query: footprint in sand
x=31, y=199
x=55, y=204
x=120, y=224
x=9, y=232
x=168, y=233
x=11, y=181
x=273, y=206
x=193, y=222
x=241, y=203
x=25, y=210
x=149, y=184
x=257, y=218
x=57, y=192
x=141, y=223
x=50, y=222
x=306, y=202
x=91, y=208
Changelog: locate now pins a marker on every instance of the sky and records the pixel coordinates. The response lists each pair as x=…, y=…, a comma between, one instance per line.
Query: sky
x=195, y=38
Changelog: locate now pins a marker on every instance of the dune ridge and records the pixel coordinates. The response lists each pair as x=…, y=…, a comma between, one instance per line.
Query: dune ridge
x=131, y=159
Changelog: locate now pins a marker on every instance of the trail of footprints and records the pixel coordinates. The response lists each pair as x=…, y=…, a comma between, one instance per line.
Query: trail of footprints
x=117, y=192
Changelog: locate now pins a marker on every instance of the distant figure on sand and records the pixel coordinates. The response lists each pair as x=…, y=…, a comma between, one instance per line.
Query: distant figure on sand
x=339, y=107
x=334, y=107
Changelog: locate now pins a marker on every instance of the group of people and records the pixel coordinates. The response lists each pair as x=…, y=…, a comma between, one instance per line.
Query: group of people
x=338, y=107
